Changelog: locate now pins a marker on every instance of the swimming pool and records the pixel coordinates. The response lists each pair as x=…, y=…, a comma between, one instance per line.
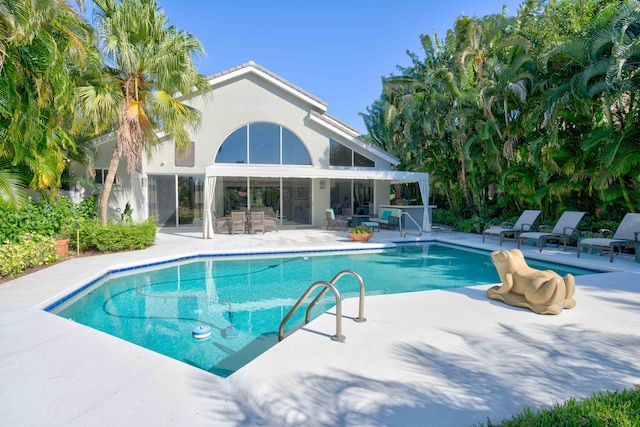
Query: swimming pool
x=243, y=300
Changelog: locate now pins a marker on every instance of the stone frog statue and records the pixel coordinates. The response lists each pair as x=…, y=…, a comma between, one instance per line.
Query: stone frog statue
x=542, y=291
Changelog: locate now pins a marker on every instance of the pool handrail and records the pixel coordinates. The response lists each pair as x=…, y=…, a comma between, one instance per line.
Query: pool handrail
x=327, y=285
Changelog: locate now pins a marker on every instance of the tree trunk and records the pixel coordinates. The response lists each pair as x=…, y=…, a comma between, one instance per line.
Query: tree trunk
x=108, y=183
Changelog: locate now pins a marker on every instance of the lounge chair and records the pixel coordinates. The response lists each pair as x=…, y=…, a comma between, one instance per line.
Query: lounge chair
x=626, y=234
x=335, y=222
x=566, y=226
x=524, y=223
x=238, y=222
x=388, y=218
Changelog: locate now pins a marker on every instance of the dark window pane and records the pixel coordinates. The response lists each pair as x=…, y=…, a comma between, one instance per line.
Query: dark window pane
x=361, y=161
x=264, y=144
x=98, y=178
x=162, y=199
x=234, y=148
x=339, y=155
x=235, y=194
x=293, y=150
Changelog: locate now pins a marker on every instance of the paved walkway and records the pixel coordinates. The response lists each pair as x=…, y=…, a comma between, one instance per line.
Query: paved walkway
x=437, y=358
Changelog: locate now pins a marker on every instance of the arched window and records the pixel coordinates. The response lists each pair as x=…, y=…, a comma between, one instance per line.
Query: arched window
x=264, y=144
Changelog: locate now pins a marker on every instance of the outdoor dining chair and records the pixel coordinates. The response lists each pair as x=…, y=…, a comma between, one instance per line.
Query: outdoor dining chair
x=238, y=222
x=257, y=221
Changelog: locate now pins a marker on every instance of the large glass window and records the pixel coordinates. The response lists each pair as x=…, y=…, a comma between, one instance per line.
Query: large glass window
x=346, y=202
x=340, y=155
x=162, y=199
x=341, y=200
x=235, y=194
x=176, y=200
x=263, y=143
x=265, y=194
x=361, y=161
x=234, y=148
x=296, y=200
x=293, y=151
x=362, y=196
x=190, y=196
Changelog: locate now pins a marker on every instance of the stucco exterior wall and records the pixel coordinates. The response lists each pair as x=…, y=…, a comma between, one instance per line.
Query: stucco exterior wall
x=251, y=95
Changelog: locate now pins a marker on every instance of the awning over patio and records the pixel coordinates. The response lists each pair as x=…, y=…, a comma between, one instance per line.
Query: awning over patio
x=269, y=171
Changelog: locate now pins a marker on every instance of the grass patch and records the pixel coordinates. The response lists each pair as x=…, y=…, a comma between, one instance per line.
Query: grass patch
x=615, y=408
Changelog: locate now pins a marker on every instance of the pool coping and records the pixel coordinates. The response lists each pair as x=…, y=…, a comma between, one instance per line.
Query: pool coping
x=51, y=374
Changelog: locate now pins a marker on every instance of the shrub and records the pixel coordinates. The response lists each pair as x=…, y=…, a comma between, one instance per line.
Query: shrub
x=361, y=229
x=115, y=237
x=46, y=218
x=30, y=251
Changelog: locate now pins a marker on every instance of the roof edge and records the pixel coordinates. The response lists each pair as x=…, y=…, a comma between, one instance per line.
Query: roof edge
x=264, y=73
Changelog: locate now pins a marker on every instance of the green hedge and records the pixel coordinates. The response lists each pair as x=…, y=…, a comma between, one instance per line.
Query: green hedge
x=114, y=237
x=30, y=251
x=46, y=218
x=27, y=234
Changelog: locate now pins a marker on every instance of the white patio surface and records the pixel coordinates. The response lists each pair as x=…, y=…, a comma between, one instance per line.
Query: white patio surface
x=435, y=358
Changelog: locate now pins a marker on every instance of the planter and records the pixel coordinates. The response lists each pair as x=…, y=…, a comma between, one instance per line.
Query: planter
x=63, y=246
x=360, y=237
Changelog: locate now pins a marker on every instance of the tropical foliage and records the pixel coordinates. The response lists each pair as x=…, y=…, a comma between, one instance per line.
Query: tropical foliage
x=537, y=110
x=41, y=45
x=138, y=92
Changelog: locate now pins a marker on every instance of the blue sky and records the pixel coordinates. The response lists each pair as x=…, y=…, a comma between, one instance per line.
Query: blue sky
x=336, y=50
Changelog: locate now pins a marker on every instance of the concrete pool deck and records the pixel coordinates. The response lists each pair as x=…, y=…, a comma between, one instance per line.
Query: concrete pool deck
x=435, y=358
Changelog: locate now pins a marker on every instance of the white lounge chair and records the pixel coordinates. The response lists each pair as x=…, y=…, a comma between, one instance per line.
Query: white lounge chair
x=566, y=226
x=524, y=223
x=626, y=234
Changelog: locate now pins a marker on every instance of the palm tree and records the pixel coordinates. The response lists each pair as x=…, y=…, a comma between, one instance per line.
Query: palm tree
x=41, y=44
x=147, y=72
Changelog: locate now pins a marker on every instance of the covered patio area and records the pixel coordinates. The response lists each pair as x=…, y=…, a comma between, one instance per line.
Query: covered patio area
x=301, y=192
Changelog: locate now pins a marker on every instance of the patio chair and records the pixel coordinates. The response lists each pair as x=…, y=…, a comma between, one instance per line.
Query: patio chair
x=238, y=222
x=626, y=234
x=566, y=227
x=221, y=224
x=524, y=223
x=388, y=218
x=257, y=221
x=270, y=222
x=335, y=222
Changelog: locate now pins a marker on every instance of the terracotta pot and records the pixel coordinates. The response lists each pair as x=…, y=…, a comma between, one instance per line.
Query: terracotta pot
x=63, y=246
x=360, y=237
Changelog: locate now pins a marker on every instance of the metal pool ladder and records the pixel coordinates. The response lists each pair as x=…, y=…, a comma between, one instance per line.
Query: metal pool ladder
x=414, y=221
x=327, y=285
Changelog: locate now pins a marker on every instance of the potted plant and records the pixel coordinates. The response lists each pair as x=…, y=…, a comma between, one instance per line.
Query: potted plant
x=62, y=239
x=63, y=245
x=361, y=233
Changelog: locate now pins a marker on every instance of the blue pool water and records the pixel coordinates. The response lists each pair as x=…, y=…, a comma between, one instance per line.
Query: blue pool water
x=243, y=301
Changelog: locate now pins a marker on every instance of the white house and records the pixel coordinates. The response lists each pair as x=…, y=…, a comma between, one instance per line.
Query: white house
x=263, y=142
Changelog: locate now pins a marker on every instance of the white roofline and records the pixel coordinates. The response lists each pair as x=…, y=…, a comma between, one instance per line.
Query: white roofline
x=253, y=68
x=269, y=171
